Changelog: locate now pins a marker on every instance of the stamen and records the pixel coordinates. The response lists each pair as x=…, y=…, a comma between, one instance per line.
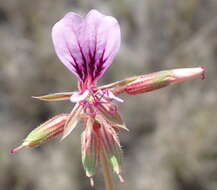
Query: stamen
x=91, y=182
x=102, y=93
x=112, y=96
x=77, y=96
x=108, y=95
x=121, y=178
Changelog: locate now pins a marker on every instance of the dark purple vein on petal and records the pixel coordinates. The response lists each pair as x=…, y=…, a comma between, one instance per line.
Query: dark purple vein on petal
x=76, y=64
x=100, y=67
x=92, y=57
x=84, y=63
x=92, y=63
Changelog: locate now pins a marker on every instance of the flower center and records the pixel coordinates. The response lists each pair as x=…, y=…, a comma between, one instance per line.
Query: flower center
x=93, y=98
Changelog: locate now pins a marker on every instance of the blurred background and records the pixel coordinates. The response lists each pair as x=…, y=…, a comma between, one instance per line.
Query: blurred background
x=173, y=133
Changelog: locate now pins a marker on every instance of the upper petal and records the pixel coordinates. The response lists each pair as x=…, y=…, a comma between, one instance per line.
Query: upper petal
x=64, y=35
x=87, y=45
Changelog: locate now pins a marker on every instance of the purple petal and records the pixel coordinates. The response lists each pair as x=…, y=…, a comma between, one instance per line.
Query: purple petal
x=87, y=45
x=76, y=97
x=64, y=34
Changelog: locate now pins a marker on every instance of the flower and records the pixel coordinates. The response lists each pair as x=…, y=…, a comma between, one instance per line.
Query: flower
x=87, y=47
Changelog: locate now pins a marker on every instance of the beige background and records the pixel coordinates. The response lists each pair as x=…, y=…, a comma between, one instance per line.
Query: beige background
x=173, y=134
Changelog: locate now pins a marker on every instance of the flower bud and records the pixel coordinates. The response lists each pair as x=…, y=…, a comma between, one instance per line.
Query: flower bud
x=44, y=132
x=89, y=151
x=111, y=147
x=153, y=81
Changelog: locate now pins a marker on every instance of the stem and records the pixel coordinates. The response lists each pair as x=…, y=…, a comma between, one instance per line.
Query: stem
x=106, y=172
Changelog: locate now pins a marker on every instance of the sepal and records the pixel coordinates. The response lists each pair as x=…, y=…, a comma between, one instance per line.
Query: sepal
x=72, y=120
x=55, y=96
x=44, y=132
x=111, y=147
x=89, y=143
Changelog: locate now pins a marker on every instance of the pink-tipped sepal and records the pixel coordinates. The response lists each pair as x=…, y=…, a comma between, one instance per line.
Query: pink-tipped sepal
x=188, y=73
x=89, y=143
x=44, y=132
x=154, y=81
x=111, y=147
x=14, y=150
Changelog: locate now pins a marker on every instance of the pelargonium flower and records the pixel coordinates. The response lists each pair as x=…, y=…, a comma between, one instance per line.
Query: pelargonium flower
x=87, y=47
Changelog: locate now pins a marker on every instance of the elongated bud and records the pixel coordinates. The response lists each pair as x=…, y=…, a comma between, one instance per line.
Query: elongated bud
x=188, y=73
x=44, y=132
x=118, y=87
x=111, y=148
x=153, y=81
x=89, y=149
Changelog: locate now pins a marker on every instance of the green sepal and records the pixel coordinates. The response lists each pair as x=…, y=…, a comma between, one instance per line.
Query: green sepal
x=72, y=120
x=89, y=149
x=47, y=130
x=55, y=96
x=111, y=147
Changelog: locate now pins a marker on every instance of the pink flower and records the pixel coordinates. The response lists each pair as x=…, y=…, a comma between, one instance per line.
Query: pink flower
x=87, y=47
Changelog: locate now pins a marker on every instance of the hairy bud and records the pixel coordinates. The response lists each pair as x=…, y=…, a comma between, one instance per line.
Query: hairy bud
x=44, y=132
x=154, y=81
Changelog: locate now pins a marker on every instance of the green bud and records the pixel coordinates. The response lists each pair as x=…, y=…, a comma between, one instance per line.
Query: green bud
x=44, y=132
x=89, y=149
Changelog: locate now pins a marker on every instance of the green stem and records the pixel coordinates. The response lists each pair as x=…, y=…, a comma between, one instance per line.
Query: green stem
x=106, y=172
